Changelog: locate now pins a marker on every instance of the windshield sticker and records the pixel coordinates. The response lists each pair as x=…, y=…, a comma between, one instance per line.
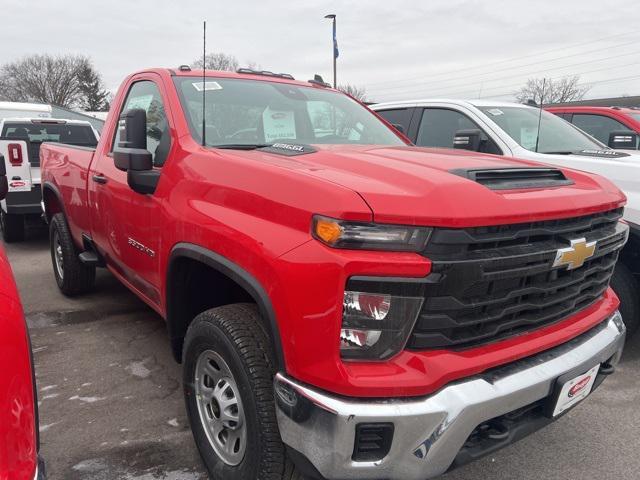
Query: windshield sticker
x=278, y=124
x=495, y=112
x=528, y=137
x=207, y=86
x=142, y=102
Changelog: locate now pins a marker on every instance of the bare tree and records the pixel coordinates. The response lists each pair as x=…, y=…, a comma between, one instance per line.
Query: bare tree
x=549, y=91
x=56, y=80
x=356, y=91
x=218, y=61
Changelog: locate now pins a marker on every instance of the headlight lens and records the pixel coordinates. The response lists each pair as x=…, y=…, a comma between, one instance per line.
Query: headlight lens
x=376, y=326
x=369, y=236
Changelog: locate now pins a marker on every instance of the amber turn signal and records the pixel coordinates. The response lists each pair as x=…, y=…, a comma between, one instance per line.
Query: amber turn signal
x=328, y=230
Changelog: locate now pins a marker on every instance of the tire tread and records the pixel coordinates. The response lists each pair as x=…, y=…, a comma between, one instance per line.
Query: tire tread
x=78, y=278
x=241, y=324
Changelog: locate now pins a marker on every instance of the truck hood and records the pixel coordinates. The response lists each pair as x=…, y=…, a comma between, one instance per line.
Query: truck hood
x=415, y=186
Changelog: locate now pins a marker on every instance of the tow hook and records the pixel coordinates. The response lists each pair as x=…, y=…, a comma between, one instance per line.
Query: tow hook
x=607, y=369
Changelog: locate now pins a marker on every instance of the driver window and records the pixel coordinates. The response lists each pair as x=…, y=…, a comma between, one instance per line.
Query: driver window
x=597, y=126
x=145, y=95
x=438, y=126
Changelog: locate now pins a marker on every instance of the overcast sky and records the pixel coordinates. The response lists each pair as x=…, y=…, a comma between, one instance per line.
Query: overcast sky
x=395, y=49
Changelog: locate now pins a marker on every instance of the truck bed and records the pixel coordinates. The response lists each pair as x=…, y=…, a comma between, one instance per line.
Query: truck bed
x=66, y=167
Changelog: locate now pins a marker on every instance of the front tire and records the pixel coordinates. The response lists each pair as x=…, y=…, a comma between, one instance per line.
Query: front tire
x=626, y=287
x=228, y=370
x=72, y=276
x=12, y=227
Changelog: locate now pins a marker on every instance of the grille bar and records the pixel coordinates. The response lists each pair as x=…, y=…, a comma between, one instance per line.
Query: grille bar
x=485, y=292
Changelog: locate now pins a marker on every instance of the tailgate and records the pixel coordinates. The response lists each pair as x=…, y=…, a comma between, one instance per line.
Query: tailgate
x=16, y=159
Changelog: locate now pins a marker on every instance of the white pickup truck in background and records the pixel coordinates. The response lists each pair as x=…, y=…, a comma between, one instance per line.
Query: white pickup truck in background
x=525, y=132
x=20, y=140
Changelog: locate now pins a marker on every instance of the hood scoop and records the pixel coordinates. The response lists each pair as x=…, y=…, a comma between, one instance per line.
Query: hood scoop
x=515, y=178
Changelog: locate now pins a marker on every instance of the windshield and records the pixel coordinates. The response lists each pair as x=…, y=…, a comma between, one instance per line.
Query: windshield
x=556, y=134
x=38, y=132
x=249, y=112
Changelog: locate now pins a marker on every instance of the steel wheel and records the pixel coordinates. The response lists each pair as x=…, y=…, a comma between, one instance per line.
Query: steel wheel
x=58, y=255
x=220, y=407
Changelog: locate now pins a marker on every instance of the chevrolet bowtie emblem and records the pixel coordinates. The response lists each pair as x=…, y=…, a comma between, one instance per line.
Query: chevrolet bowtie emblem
x=574, y=256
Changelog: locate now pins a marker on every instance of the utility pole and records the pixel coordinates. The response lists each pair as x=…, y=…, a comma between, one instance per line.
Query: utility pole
x=335, y=49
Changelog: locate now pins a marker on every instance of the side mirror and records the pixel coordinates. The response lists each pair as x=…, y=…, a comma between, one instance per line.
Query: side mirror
x=4, y=184
x=398, y=127
x=627, y=139
x=467, y=140
x=131, y=154
x=133, y=139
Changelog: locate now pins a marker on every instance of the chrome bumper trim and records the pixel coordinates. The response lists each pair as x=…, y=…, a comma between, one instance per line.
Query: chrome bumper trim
x=429, y=432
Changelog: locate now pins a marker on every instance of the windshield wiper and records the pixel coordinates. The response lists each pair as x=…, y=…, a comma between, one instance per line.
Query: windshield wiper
x=241, y=146
x=564, y=152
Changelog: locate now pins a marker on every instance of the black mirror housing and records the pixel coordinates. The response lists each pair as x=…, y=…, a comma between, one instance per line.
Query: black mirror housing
x=627, y=139
x=144, y=182
x=141, y=176
x=132, y=147
x=467, y=140
x=133, y=129
x=4, y=184
x=131, y=154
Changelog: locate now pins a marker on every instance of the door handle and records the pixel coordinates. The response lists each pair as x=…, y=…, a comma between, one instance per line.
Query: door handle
x=101, y=179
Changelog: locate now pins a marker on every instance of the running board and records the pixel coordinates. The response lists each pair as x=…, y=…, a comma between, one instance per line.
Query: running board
x=90, y=257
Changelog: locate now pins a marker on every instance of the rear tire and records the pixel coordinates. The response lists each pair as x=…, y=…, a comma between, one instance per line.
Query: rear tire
x=226, y=346
x=626, y=287
x=72, y=276
x=12, y=227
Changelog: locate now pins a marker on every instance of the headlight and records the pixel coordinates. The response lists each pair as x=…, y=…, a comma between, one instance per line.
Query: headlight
x=376, y=326
x=369, y=236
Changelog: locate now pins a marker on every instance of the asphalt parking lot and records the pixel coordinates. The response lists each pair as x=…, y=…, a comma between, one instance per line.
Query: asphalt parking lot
x=111, y=404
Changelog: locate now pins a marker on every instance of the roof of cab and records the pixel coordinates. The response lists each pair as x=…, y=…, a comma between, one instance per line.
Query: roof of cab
x=584, y=108
x=177, y=72
x=475, y=103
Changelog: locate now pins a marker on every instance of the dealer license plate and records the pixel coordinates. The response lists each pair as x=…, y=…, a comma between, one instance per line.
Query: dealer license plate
x=575, y=390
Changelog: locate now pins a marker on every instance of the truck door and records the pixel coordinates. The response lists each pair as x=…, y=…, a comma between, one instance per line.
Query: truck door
x=438, y=127
x=125, y=224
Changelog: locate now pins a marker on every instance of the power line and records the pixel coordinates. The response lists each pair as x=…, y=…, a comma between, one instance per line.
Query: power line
x=448, y=72
x=483, y=82
x=396, y=87
x=585, y=84
x=582, y=84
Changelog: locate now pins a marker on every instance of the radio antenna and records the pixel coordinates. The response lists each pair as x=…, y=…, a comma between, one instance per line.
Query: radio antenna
x=544, y=84
x=204, y=89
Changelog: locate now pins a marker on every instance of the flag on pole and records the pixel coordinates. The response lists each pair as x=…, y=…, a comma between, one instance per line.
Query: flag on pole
x=336, y=53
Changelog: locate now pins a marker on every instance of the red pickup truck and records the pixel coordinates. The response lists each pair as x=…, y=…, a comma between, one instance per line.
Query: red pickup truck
x=617, y=127
x=344, y=305
x=19, y=437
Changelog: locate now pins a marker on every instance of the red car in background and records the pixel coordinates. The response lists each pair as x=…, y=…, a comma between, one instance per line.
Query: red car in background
x=617, y=127
x=18, y=406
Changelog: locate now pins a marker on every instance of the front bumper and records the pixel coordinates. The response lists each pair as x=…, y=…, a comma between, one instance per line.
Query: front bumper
x=430, y=432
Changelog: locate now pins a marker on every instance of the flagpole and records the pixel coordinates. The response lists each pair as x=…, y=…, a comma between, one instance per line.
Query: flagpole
x=334, y=50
